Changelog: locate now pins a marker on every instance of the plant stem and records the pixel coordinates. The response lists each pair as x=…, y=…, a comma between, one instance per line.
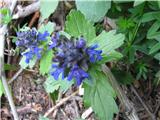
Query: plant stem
x=3, y=31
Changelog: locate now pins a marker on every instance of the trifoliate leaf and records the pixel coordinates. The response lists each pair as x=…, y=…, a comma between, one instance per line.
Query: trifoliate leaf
x=100, y=96
x=93, y=10
x=76, y=25
x=51, y=85
x=46, y=62
x=47, y=27
x=1, y=88
x=108, y=41
x=47, y=7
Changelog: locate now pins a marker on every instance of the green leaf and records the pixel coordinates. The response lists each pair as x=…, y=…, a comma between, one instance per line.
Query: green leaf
x=46, y=62
x=123, y=77
x=51, y=85
x=108, y=41
x=110, y=57
x=1, y=88
x=153, y=32
x=150, y=16
x=9, y=67
x=138, y=2
x=76, y=25
x=157, y=56
x=24, y=65
x=47, y=27
x=6, y=17
x=43, y=118
x=100, y=96
x=93, y=10
x=155, y=48
x=47, y=7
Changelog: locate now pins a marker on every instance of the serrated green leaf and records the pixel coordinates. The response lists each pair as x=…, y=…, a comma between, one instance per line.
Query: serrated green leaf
x=93, y=10
x=155, y=48
x=47, y=7
x=108, y=41
x=100, y=96
x=76, y=25
x=1, y=88
x=51, y=85
x=24, y=65
x=46, y=62
x=47, y=27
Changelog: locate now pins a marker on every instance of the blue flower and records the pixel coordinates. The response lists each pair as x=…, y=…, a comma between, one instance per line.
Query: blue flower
x=35, y=51
x=77, y=73
x=56, y=73
x=54, y=41
x=80, y=43
x=94, y=55
x=43, y=36
x=29, y=55
x=73, y=58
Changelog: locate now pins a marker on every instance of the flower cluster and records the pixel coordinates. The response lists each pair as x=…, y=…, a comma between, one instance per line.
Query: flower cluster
x=72, y=58
x=30, y=40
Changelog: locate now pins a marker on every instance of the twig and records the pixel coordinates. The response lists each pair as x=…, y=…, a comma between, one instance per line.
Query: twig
x=130, y=111
x=3, y=31
x=34, y=18
x=59, y=104
x=144, y=105
x=16, y=75
x=87, y=113
x=25, y=11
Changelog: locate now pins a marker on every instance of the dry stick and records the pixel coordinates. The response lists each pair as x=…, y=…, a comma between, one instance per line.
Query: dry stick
x=15, y=75
x=130, y=111
x=34, y=18
x=3, y=31
x=59, y=104
x=144, y=105
x=25, y=11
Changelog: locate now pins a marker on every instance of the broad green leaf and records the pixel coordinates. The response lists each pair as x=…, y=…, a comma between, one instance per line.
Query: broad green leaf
x=47, y=27
x=46, y=62
x=93, y=10
x=24, y=65
x=100, y=96
x=150, y=16
x=76, y=25
x=155, y=48
x=47, y=7
x=108, y=41
x=51, y=84
x=1, y=88
x=123, y=77
x=153, y=32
